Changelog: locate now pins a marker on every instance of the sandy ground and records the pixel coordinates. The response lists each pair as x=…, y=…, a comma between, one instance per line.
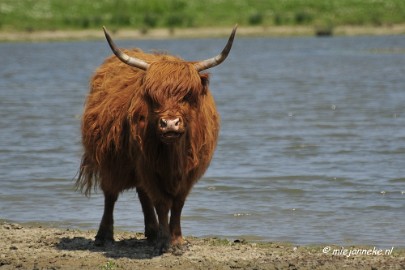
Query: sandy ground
x=196, y=32
x=38, y=247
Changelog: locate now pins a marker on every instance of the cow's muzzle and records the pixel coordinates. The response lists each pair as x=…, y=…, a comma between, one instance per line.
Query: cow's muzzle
x=170, y=129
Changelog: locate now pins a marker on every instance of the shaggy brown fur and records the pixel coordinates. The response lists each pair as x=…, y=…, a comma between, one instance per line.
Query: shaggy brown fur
x=123, y=148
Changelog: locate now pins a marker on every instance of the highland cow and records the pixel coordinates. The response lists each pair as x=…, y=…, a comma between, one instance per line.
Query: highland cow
x=149, y=123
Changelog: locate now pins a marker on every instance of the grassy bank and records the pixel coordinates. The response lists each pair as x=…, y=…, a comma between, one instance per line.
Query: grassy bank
x=203, y=32
x=39, y=15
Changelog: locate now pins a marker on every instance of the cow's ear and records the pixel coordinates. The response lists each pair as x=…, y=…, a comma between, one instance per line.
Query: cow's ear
x=205, y=81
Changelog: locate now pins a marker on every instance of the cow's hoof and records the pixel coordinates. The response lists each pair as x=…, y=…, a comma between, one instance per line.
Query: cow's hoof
x=161, y=248
x=103, y=241
x=162, y=245
x=151, y=234
x=179, y=249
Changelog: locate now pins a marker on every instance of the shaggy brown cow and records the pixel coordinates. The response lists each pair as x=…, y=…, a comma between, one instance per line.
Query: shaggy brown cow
x=149, y=123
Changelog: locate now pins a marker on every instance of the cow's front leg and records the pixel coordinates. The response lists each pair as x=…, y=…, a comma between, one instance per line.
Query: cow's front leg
x=175, y=217
x=105, y=232
x=163, y=239
x=151, y=224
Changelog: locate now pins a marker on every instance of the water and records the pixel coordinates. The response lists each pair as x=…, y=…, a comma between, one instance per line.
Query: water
x=311, y=151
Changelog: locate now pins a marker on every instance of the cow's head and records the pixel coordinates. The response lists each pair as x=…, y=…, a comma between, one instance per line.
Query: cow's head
x=173, y=89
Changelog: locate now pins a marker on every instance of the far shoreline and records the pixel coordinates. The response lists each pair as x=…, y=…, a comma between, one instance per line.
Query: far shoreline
x=202, y=32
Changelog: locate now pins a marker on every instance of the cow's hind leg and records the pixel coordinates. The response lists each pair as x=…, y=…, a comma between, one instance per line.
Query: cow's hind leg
x=151, y=224
x=105, y=232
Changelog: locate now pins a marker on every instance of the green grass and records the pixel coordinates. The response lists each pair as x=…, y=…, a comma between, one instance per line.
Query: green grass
x=32, y=15
x=110, y=265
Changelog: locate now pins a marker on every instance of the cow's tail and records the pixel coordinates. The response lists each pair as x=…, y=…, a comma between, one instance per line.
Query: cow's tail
x=88, y=176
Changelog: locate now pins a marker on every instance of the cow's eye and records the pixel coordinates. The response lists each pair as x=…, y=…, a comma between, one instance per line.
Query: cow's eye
x=189, y=98
x=156, y=105
x=153, y=102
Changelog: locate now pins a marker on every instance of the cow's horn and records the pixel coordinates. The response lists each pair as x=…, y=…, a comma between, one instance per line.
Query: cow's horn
x=215, y=61
x=132, y=61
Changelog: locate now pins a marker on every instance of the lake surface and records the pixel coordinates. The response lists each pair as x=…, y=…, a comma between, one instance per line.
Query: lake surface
x=311, y=150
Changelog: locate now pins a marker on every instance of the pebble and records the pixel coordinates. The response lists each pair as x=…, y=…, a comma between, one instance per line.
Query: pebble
x=11, y=226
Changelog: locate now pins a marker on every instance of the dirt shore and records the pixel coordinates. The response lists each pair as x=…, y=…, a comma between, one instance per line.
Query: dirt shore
x=91, y=34
x=39, y=247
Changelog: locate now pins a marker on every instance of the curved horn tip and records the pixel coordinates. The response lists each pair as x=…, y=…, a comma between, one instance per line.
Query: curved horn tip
x=234, y=29
x=215, y=61
x=109, y=39
x=131, y=61
x=105, y=30
x=231, y=37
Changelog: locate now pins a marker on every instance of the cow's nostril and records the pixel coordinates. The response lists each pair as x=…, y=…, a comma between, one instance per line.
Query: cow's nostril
x=163, y=123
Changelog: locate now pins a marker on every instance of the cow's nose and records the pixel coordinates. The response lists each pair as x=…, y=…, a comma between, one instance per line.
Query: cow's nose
x=170, y=124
